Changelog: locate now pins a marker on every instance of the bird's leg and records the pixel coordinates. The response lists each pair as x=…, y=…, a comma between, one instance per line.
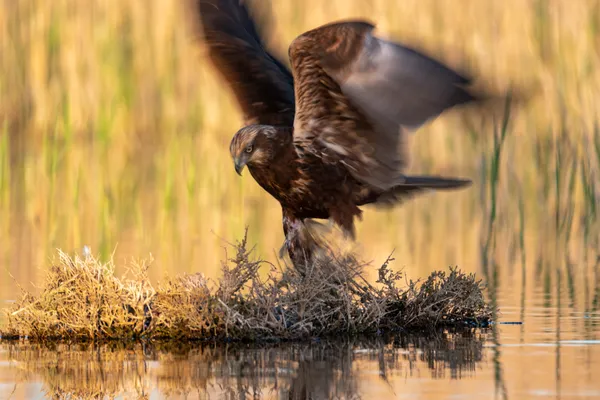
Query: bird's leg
x=298, y=242
x=291, y=230
x=287, y=243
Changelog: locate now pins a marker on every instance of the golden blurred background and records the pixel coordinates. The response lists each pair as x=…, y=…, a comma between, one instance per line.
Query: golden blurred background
x=114, y=133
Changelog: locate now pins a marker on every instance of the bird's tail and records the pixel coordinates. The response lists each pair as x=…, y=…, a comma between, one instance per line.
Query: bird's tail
x=414, y=185
x=433, y=182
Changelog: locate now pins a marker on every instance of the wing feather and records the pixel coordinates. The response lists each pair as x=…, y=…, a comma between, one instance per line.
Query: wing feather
x=262, y=85
x=384, y=89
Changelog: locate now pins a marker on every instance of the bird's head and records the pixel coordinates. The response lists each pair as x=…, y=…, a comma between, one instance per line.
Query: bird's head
x=252, y=146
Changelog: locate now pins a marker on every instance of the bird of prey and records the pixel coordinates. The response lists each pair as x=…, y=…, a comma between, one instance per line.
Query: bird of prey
x=328, y=136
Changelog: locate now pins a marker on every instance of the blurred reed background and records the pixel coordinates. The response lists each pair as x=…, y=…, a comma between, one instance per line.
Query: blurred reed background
x=114, y=133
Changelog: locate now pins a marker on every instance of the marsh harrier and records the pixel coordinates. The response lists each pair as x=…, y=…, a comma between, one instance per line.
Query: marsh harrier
x=328, y=136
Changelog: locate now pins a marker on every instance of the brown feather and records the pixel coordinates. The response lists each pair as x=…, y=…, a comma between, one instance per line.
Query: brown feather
x=357, y=95
x=412, y=186
x=262, y=85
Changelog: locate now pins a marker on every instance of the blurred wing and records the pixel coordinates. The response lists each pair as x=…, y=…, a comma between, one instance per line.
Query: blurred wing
x=385, y=88
x=262, y=85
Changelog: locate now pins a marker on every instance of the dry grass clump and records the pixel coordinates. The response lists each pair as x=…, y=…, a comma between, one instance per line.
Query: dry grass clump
x=83, y=299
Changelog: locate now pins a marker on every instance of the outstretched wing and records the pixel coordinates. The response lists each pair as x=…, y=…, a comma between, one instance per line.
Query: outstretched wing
x=262, y=85
x=357, y=95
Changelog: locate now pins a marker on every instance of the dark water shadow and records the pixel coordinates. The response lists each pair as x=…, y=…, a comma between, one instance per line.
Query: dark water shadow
x=315, y=370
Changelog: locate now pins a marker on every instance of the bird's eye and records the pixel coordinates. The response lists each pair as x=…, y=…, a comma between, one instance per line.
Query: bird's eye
x=249, y=149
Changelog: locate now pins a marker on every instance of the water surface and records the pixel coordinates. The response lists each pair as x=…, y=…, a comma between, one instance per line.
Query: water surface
x=554, y=354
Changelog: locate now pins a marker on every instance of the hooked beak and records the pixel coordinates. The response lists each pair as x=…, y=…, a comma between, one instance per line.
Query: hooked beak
x=239, y=166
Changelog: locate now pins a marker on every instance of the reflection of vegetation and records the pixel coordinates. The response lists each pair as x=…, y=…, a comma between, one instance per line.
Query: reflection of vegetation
x=295, y=371
x=83, y=299
x=494, y=177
